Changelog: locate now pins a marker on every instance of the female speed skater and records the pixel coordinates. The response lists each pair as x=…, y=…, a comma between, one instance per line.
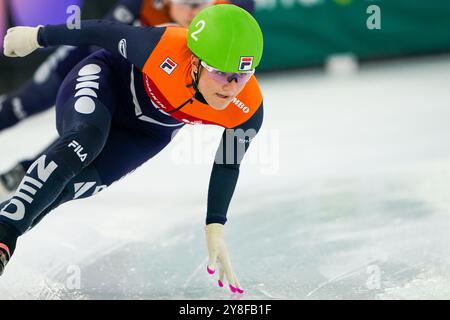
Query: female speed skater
x=121, y=106
x=39, y=93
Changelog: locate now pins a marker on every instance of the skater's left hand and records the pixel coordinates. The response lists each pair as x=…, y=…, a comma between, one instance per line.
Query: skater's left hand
x=219, y=253
x=20, y=41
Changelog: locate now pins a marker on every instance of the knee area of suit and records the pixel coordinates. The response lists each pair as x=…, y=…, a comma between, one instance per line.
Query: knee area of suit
x=78, y=147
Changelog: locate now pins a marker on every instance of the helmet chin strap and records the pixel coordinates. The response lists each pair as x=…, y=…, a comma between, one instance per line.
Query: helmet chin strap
x=198, y=96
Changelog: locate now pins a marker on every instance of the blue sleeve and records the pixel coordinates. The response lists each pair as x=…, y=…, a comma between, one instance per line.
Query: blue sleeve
x=248, y=5
x=124, y=11
x=225, y=172
x=134, y=43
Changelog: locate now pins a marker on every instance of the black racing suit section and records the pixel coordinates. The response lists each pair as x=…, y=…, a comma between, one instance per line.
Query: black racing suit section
x=134, y=43
x=225, y=172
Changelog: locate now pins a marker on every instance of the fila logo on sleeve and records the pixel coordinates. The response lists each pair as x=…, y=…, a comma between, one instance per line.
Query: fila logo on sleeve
x=246, y=64
x=168, y=65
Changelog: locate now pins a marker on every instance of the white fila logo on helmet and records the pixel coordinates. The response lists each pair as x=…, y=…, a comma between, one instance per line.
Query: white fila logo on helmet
x=168, y=65
x=241, y=105
x=85, y=88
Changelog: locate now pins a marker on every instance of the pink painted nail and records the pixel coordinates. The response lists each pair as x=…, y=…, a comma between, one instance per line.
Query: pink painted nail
x=220, y=283
x=233, y=289
x=210, y=271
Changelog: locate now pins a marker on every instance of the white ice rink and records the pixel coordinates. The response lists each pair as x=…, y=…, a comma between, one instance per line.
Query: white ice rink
x=345, y=194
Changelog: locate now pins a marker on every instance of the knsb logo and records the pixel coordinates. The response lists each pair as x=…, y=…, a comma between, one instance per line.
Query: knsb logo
x=168, y=65
x=246, y=64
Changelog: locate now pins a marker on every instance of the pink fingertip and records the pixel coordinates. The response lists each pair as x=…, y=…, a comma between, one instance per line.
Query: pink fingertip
x=220, y=283
x=241, y=291
x=210, y=271
x=233, y=289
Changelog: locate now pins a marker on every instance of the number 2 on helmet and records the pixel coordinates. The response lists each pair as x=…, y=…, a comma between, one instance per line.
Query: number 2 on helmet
x=194, y=34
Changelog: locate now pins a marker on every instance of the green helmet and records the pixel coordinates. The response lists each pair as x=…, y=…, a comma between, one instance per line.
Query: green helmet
x=227, y=38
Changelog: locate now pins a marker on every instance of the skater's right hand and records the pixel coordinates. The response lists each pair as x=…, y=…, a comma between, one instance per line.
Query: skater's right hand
x=219, y=253
x=20, y=41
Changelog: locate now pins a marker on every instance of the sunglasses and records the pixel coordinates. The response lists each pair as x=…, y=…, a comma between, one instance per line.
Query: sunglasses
x=227, y=77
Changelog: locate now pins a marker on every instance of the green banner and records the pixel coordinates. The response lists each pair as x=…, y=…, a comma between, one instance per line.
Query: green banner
x=301, y=33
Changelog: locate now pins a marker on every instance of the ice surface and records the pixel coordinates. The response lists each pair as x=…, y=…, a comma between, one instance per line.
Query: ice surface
x=344, y=195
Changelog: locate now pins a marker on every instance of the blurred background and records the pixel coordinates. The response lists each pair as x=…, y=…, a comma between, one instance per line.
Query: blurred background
x=344, y=194
x=298, y=33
